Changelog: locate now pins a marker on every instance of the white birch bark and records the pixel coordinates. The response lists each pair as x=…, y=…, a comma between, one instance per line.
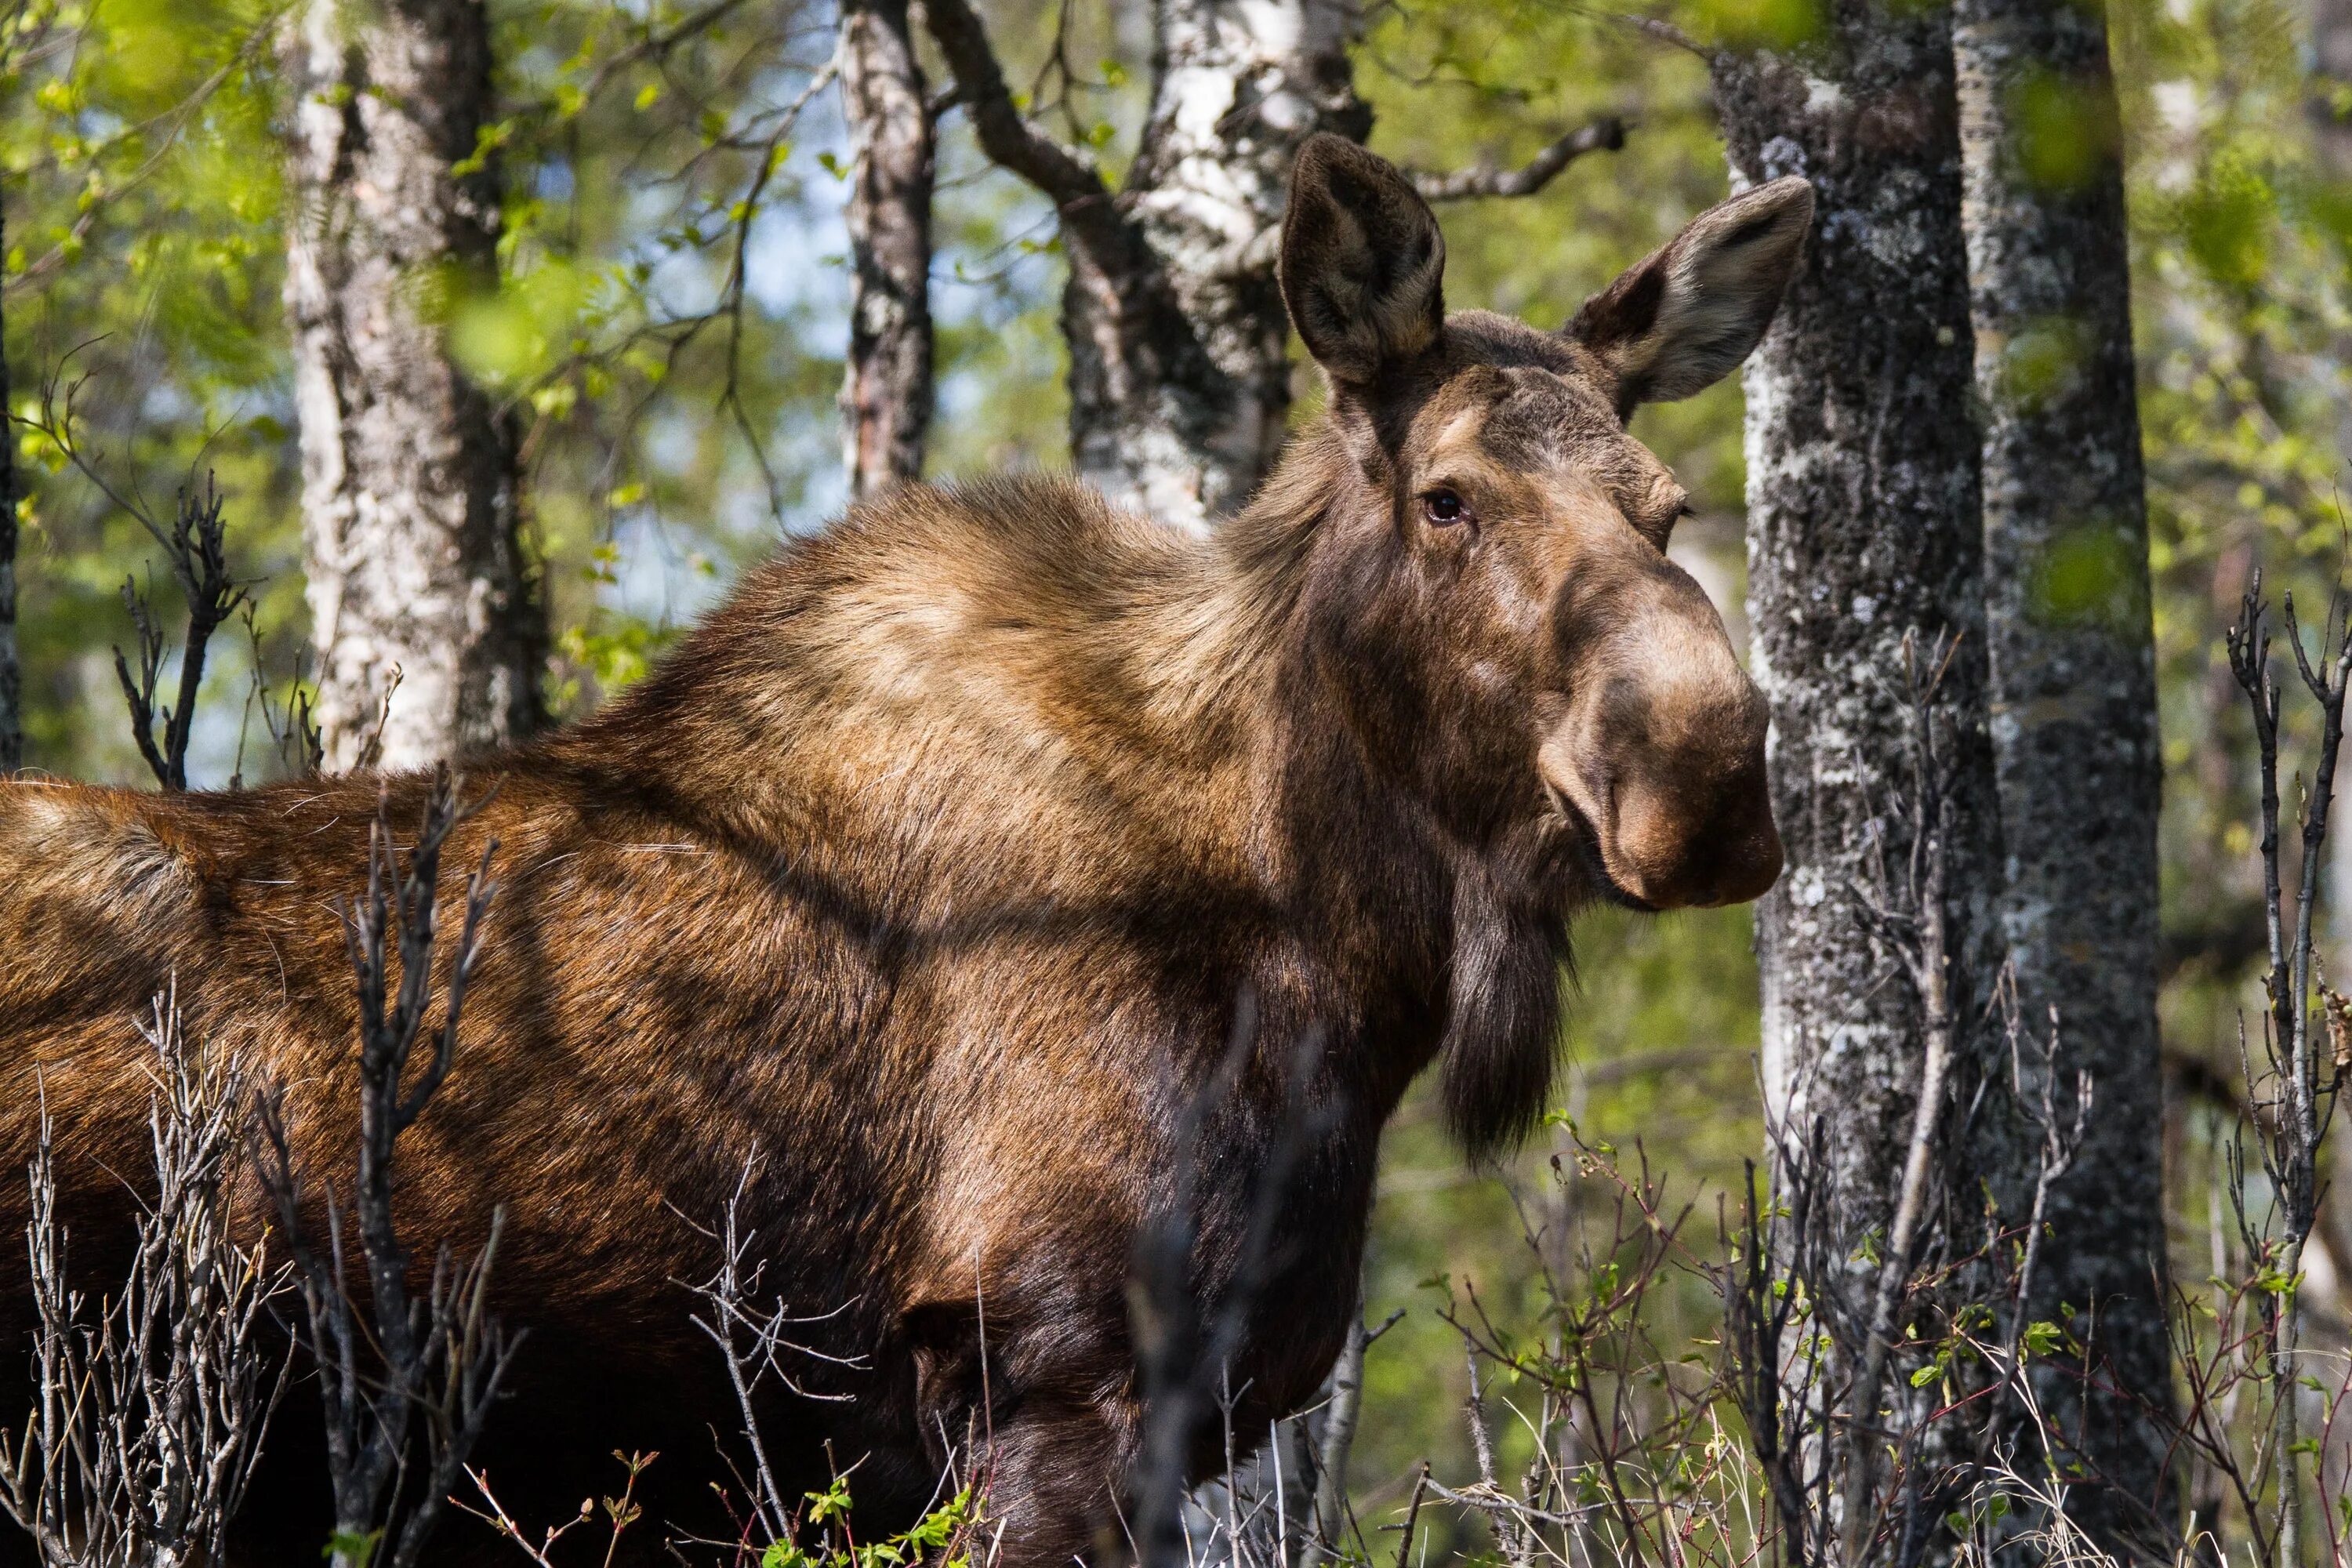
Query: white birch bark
x=409, y=497
x=12, y=687
x=886, y=391
x=1237, y=86
x=1179, y=376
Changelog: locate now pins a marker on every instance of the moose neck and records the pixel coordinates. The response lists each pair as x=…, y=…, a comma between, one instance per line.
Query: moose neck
x=1233, y=720
x=1443, y=929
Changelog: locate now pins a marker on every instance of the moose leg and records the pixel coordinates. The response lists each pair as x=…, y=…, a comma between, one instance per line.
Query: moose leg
x=1054, y=1474
x=1042, y=1425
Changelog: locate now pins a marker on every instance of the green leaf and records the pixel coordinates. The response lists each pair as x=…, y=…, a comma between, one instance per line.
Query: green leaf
x=356, y=1547
x=831, y=1503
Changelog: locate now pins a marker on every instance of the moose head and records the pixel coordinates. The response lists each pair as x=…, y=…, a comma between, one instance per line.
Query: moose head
x=1528, y=613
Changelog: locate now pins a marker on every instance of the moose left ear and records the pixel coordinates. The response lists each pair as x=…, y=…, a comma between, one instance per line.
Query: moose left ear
x=1680, y=321
x=1362, y=262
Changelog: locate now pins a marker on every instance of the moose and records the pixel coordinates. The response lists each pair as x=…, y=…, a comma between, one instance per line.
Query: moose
x=943, y=872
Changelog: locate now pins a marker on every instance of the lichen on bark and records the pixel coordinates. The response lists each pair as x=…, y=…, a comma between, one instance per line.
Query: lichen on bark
x=1863, y=531
x=2073, y=674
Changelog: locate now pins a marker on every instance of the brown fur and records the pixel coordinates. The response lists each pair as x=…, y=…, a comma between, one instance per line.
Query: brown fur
x=936, y=868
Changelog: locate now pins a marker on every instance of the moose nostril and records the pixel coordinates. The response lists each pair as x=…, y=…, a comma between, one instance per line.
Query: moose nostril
x=1753, y=863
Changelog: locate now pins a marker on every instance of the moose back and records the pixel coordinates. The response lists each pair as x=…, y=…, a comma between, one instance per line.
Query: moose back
x=939, y=875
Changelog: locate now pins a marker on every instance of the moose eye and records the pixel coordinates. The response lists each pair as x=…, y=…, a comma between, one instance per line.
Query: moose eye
x=1444, y=507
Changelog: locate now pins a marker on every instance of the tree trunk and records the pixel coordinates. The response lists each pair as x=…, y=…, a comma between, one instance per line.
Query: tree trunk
x=1184, y=412
x=2330, y=102
x=2072, y=646
x=12, y=686
x=409, y=493
x=887, y=387
x=1179, y=379
x=1863, y=527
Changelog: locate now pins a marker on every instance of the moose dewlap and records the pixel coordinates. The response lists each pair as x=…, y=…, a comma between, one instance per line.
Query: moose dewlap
x=947, y=867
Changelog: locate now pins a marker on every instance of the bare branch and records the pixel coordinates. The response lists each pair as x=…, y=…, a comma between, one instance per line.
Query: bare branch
x=1090, y=214
x=1604, y=135
x=438, y=1359
x=1655, y=27
x=148, y=1420
x=751, y=1339
x=196, y=546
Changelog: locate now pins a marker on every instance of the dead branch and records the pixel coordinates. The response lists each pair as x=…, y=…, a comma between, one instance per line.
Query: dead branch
x=148, y=1420
x=434, y=1360
x=2294, y=1102
x=1911, y=915
x=751, y=1338
x=195, y=547
x=1604, y=135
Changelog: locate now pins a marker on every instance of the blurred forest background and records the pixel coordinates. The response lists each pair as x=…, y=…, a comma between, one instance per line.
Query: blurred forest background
x=668, y=320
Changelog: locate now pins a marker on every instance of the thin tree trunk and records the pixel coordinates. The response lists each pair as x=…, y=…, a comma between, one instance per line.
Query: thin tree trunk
x=409, y=492
x=887, y=387
x=12, y=686
x=2073, y=666
x=1237, y=85
x=1863, y=527
x=2331, y=56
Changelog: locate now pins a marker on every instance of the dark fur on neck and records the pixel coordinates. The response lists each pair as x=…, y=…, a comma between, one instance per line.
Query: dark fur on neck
x=1194, y=717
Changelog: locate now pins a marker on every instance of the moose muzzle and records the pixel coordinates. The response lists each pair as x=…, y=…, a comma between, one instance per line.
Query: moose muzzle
x=1661, y=752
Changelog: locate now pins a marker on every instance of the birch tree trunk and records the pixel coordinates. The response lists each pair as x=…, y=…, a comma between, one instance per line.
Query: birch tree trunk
x=1863, y=527
x=887, y=389
x=2331, y=113
x=12, y=686
x=1237, y=85
x=1179, y=378
x=2071, y=649
x=409, y=494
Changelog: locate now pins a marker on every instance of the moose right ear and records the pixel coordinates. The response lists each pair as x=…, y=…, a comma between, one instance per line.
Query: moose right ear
x=1362, y=261
x=1680, y=320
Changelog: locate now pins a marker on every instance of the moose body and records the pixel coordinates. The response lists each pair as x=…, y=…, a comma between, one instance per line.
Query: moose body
x=942, y=875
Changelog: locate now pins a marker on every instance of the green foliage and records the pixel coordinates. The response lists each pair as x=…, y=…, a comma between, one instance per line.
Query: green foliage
x=141, y=191
x=354, y=1547
x=937, y=1532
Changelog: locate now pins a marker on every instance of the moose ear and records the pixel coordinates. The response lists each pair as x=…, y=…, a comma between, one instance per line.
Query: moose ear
x=1361, y=261
x=1681, y=320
